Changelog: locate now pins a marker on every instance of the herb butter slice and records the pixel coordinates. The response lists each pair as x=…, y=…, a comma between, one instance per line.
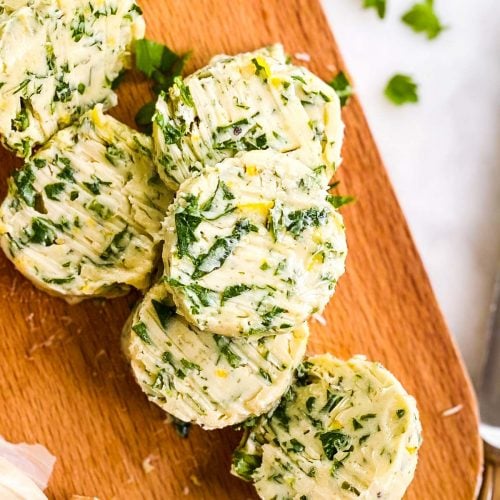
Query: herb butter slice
x=82, y=217
x=345, y=429
x=203, y=378
x=251, y=101
x=252, y=246
x=59, y=59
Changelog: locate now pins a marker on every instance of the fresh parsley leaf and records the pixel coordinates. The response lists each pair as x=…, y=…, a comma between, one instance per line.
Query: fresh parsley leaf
x=163, y=311
x=189, y=365
x=54, y=190
x=142, y=332
x=22, y=121
x=220, y=250
x=41, y=232
x=310, y=403
x=171, y=132
x=94, y=186
x=144, y=116
x=198, y=295
x=349, y=487
x=338, y=201
x=356, y=425
x=280, y=414
x=151, y=56
x=401, y=89
x=118, y=244
x=62, y=92
x=185, y=93
x=114, y=154
x=422, y=19
x=378, y=5
x=78, y=27
x=333, y=442
x=342, y=86
x=224, y=345
x=332, y=401
x=296, y=446
x=275, y=219
x=299, y=220
x=99, y=209
x=23, y=180
x=115, y=83
x=271, y=314
x=186, y=223
x=164, y=67
x=245, y=464
x=233, y=291
x=67, y=173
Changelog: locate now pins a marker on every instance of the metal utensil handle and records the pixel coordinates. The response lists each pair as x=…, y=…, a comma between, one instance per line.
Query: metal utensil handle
x=489, y=389
x=490, y=489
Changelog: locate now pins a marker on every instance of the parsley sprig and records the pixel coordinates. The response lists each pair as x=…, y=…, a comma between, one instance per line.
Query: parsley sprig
x=423, y=19
x=162, y=65
x=401, y=89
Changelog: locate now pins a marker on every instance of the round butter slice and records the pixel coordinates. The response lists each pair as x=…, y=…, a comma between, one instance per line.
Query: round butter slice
x=250, y=101
x=82, y=217
x=203, y=378
x=59, y=59
x=252, y=246
x=345, y=429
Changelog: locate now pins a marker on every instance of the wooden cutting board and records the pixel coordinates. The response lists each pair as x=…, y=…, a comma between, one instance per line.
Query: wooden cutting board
x=64, y=383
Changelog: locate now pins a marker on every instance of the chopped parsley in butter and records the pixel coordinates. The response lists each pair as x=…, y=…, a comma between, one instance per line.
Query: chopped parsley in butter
x=258, y=207
x=82, y=217
x=59, y=59
x=345, y=429
x=207, y=379
x=251, y=101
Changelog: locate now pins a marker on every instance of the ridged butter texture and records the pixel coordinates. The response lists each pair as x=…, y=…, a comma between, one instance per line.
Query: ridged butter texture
x=207, y=379
x=82, y=218
x=250, y=101
x=345, y=430
x=57, y=60
x=252, y=246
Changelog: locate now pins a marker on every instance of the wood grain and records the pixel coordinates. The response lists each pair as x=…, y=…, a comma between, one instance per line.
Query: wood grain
x=64, y=382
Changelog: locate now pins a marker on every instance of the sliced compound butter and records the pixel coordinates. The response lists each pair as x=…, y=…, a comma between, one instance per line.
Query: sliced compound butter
x=251, y=101
x=82, y=217
x=344, y=430
x=58, y=58
x=207, y=379
x=252, y=246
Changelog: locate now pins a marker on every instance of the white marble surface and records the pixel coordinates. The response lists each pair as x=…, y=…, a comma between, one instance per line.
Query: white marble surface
x=443, y=153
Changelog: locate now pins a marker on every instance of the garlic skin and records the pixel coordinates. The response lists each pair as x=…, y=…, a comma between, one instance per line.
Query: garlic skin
x=25, y=470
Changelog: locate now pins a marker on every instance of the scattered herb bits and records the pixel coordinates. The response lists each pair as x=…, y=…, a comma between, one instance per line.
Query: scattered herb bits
x=422, y=18
x=337, y=419
x=65, y=64
x=253, y=247
x=203, y=378
x=82, y=217
x=401, y=89
x=251, y=101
